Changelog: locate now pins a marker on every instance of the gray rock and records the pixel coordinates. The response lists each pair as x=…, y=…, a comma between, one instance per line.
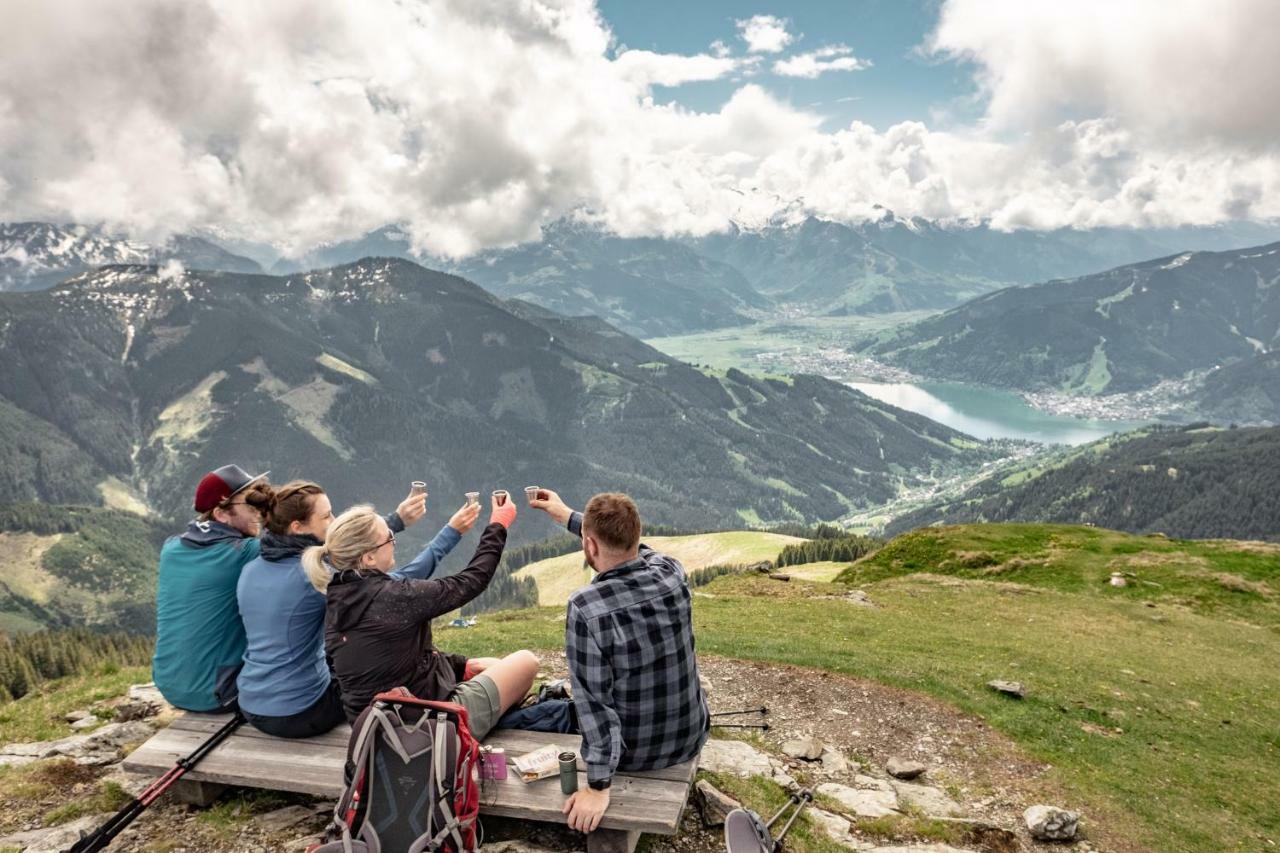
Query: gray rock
x=1008, y=688
x=77, y=716
x=149, y=694
x=833, y=762
x=54, y=839
x=135, y=709
x=862, y=802
x=932, y=801
x=282, y=819
x=1050, y=823
x=94, y=749
x=919, y=848
x=734, y=756
x=514, y=846
x=742, y=759
x=808, y=749
x=838, y=828
x=86, y=723
x=713, y=804
x=904, y=768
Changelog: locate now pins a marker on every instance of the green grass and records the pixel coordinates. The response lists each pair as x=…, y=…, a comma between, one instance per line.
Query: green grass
x=1210, y=577
x=765, y=797
x=39, y=715
x=558, y=577
x=1190, y=683
x=108, y=798
x=1159, y=722
x=225, y=817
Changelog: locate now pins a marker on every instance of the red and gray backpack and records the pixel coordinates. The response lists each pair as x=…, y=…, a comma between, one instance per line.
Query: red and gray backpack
x=411, y=780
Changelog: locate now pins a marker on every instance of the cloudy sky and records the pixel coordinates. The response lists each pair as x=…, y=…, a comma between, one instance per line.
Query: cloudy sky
x=474, y=122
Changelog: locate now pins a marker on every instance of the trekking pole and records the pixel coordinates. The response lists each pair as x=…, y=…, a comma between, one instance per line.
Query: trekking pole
x=764, y=727
x=761, y=711
x=801, y=800
x=116, y=824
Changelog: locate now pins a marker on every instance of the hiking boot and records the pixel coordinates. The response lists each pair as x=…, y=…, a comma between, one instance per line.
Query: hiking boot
x=557, y=689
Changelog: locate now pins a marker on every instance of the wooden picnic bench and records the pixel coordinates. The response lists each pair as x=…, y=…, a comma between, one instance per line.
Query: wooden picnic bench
x=651, y=801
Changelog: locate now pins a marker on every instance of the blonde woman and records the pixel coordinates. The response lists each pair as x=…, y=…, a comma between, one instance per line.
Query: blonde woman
x=378, y=626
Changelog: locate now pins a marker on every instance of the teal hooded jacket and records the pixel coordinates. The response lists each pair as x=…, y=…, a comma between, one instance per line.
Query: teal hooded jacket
x=200, y=639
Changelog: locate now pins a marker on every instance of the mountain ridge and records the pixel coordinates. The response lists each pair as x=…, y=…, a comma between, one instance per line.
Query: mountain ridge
x=343, y=374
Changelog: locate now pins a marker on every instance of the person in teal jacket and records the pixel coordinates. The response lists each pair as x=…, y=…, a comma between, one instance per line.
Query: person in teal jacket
x=286, y=688
x=199, y=637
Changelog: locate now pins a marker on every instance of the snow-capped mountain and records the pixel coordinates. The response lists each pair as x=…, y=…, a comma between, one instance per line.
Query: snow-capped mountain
x=36, y=255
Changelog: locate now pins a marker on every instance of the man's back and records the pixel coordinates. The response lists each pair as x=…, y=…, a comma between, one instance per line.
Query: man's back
x=630, y=645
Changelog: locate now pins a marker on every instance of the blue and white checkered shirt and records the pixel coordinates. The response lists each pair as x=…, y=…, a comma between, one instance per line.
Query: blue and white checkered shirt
x=629, y=640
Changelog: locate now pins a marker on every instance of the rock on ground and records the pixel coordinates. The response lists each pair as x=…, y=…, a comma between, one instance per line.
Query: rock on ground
x=863, y=802
x=904, y=768
x=1050, y=823
x=742, y=759
x=95, y=749
x=713, y=804
x=931, y=801
x=54, y=839
x=807, y=749
x=1016, y=689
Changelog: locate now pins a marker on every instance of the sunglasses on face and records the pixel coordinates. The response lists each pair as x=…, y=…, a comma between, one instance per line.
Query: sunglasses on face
x=391, y=540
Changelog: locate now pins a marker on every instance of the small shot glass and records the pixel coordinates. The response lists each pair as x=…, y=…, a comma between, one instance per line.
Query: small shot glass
x=473, y=498
x=417, y=487
x=500, y=495
x=530, y=494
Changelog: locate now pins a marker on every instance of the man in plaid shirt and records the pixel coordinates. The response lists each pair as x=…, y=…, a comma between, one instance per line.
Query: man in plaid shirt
x=629, y=641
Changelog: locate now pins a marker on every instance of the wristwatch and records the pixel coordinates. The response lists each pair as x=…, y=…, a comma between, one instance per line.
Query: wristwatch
x=600, y=784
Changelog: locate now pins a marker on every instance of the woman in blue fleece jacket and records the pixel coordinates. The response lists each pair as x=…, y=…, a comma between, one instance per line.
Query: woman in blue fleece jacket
x=285, y=686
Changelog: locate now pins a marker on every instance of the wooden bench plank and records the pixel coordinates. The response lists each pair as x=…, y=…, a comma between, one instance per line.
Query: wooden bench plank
x=515, y=741
x=649, y=801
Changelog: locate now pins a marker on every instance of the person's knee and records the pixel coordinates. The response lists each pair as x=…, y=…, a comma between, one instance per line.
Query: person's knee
x=527, y=661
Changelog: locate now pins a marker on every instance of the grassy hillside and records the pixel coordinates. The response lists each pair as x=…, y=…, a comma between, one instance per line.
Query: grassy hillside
x=1189, y=481
x=558, y=577
x=1154, y=703
x=77, y=567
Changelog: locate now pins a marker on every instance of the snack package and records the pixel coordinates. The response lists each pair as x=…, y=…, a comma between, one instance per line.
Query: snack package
x=542, y=763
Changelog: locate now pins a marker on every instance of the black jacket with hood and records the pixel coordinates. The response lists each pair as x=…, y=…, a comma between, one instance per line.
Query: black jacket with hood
x=377, y=629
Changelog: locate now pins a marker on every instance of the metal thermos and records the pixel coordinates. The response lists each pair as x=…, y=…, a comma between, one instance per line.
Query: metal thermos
x=568, y=773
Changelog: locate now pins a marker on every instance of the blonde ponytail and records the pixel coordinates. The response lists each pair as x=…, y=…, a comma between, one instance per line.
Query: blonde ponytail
x=351, y=535
x=313, y=563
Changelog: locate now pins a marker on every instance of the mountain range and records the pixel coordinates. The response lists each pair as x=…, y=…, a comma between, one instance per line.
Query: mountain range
x=1188, y=482
x=125, y=384
x=659, y=286
x=36, y=255
x=1122, y=330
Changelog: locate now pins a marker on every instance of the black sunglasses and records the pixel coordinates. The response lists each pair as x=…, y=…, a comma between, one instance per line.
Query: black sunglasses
x=391, y=540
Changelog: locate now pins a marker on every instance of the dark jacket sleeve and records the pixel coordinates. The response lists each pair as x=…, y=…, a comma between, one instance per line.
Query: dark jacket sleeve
x=421, y=600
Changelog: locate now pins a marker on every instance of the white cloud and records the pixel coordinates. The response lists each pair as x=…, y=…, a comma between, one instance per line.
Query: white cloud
x=645, y=68
x=837, y=57
x=1186, y=70
x=765, y=33
x=470, y=123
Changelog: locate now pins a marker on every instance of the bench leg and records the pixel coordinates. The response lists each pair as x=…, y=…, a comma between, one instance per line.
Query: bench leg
x=196, y=793
x=612, y=841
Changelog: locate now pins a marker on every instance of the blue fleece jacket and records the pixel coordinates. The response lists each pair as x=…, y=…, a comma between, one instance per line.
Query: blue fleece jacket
x=199, y=638
x=285, y=671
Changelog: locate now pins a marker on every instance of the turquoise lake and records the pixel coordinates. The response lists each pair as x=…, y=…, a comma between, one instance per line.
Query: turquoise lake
x=989, y=413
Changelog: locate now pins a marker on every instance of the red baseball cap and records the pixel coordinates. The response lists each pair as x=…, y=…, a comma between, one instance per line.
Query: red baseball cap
x=220, y=484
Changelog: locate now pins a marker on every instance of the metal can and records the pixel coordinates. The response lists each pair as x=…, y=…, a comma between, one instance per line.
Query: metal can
x=568, y=773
